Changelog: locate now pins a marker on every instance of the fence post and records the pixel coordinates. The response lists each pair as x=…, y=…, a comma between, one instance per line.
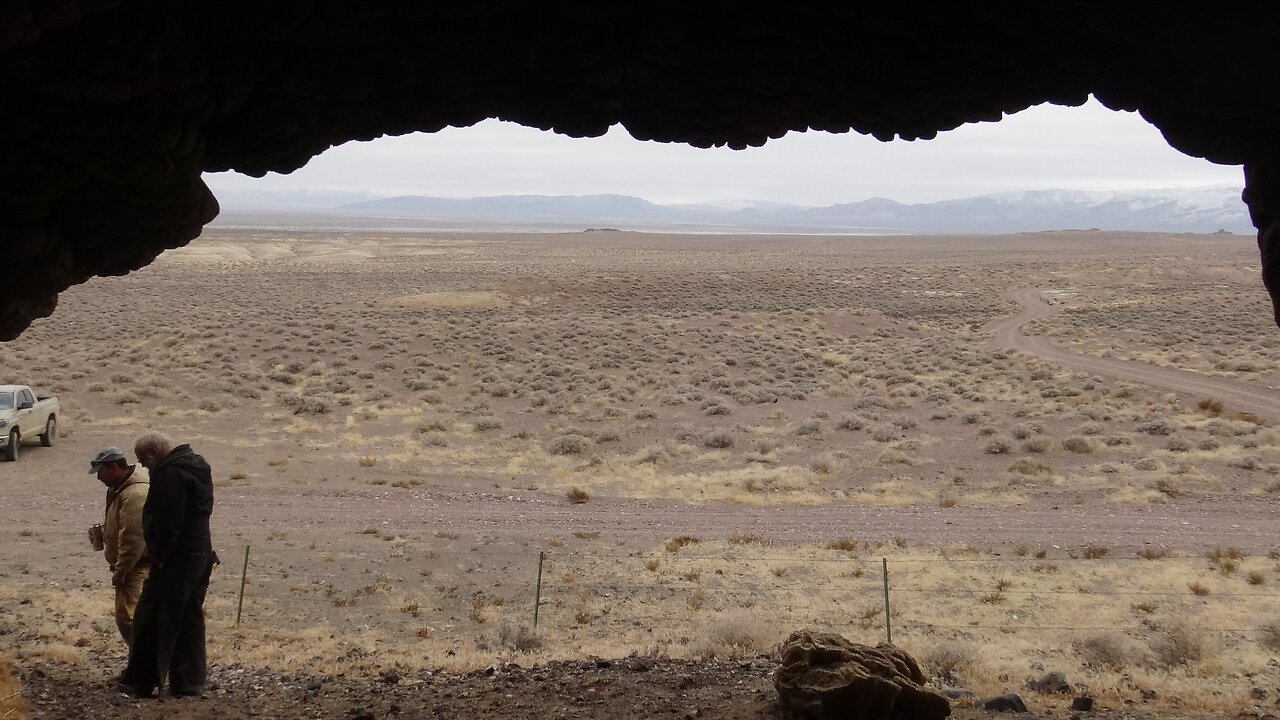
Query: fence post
x=537, y=596
x=888, y=625
x=244, y=573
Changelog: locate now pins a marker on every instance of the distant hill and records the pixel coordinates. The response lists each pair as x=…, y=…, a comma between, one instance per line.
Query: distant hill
x=1200, y=210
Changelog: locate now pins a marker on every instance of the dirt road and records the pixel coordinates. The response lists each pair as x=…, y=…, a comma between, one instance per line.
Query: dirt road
x=1188, y=525
x=1236, y=394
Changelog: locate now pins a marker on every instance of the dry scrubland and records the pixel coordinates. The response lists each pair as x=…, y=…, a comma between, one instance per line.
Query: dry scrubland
x=632, y=370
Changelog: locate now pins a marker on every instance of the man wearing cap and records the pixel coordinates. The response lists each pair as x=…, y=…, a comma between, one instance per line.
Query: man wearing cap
x=122, y=540
x=168, y=645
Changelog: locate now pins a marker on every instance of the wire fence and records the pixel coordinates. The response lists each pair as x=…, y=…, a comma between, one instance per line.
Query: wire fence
x=879, y=597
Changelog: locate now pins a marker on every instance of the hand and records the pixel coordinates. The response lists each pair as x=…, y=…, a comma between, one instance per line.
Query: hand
x=118, y=578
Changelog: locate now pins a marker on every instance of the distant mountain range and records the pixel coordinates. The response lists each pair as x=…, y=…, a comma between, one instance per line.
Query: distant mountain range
x=1200, y=210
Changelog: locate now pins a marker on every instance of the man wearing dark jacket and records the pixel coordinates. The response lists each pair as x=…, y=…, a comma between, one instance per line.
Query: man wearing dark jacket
x=168, y=626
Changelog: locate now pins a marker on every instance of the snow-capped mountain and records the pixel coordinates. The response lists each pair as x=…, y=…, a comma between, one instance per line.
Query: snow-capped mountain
x=1196, y=210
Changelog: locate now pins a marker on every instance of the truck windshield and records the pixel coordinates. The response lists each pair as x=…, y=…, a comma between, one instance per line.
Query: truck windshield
x=6, y=401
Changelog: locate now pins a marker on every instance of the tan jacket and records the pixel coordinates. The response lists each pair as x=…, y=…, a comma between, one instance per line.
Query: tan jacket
x=122, y=529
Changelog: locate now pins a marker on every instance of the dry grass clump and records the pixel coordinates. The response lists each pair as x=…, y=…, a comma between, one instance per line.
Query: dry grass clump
x=12, y=704
x=1109, y=651
x=1181, y=644
x=577, y=495
x=1078, y=444
x=718, y=440
x=1027, y=466
x=1037, y=445
x=850, y=421
x=1211, y=407
x=519, y=637
x=1226, y=560
x=1269, y=635
x=947, y=662
x=571, y=444
x=676, y=543
x=1153, y=553
x=997, y=446
x=736, y=634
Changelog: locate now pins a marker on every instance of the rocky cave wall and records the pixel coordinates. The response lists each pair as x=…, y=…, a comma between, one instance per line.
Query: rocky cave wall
x=110, y=111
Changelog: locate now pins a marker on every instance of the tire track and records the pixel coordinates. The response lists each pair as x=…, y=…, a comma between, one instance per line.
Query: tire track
x=1236, y=394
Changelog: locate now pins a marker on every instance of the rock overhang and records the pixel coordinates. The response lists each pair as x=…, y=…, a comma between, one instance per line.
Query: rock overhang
x=111, y=111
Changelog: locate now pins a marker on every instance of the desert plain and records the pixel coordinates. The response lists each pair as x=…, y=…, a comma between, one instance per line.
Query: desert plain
x=674, y=450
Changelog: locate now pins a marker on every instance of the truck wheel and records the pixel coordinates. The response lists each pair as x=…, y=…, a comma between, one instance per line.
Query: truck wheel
x=50, y=431
x=11, y=452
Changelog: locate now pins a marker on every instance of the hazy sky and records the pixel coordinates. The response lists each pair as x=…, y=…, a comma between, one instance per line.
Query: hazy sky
x=1045, y=147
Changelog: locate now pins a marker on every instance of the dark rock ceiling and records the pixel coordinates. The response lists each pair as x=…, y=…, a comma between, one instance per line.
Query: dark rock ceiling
x=110, y=111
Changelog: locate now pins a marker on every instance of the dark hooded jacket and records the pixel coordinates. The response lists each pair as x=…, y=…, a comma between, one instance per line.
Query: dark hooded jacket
x=175, y=518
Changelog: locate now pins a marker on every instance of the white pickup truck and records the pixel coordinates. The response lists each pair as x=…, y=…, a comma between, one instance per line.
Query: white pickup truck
x=23, y=415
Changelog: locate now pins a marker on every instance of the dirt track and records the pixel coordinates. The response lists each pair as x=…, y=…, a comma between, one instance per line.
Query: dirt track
x=1257, y=399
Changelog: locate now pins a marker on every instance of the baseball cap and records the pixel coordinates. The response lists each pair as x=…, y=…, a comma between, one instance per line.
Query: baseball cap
x=111, y=454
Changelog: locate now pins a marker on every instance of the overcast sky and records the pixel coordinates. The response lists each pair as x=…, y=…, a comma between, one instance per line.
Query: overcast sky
x=1045, y=147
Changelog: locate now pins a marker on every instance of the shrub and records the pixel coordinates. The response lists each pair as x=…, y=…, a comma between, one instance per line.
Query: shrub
x=738, y=634
x=577, y=495
x=519, y=638
x=1078, y=444
x=846, y=544
x=947, y=661
x=824, y=465
x=809, y=427
x=1212, y=408
x=884, y=433
x=1026, y=466
x=1148, y=464
x=718, y=440
x=849, y=421
x=1180, y=644
x=895, y=457
x=1155, y=427
x=1110, y=651
x=571, y=444
x=1037, y=445
x=1269, y=635
x=676, y=543
x=1095, y=552
x=487, y=423
x=997, y=446
x=433, y=425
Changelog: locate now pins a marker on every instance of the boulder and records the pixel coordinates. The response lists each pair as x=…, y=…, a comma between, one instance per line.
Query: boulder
x=823, y=676
x=1083, y=703
x=1054, y=682
x=1004, y=703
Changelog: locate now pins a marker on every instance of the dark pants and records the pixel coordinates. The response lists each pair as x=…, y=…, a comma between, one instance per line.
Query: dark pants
x=168, y=628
